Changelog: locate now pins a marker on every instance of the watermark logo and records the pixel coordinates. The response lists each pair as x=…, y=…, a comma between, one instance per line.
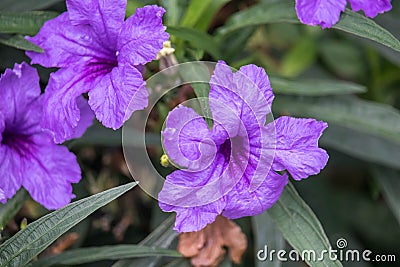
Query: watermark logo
x=341, y=254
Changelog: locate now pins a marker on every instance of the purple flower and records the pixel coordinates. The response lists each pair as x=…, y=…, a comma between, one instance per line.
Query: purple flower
x=234, y=169
x=327, y=12
x=99, y=53
x=28, y=155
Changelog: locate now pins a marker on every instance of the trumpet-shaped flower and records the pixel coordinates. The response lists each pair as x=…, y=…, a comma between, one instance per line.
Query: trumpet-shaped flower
x=327, y=12
x=28, y=155
x=236, y=168
x=99, y=53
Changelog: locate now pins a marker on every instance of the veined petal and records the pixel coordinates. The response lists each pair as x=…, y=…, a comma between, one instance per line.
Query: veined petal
x=240, y=99
x=196, y=218
x=19, y=88
x=2, y=126
x=65, y=44
x=142, y=36
x=11, y=172
x=116, y=95
x=187, y=139
x=320, y=12
x=241, y=201
x=61, y=113
x=371, y=8
x=51, y=171
x=86, y=118
x=297, y=146
x=105, y=17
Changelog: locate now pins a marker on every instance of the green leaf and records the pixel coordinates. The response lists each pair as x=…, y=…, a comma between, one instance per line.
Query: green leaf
x=299, y=58
x=18, y=41
x=93, y=254
x=389, y=180
x=195, y=12
x=362, y=26
x=24, y=23
x=199, y=72
x=314, y=87
x=12, y=207
x=198, y=39
x=300, y=227
x=161, y=237
x=284, y=11
x=26, y=5
x=174, y=11
x=27, y=243
x=207, y=16
x=348, y=111
x=266, y=233
x=362, y=145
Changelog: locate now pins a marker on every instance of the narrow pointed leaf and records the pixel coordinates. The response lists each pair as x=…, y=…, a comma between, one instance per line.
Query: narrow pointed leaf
x=18, y=41
x=389, y=180
x=26, y=23
x=26, y=5
x=93, y=254
x=284, y=11
x=300, y=227
x=26, y=244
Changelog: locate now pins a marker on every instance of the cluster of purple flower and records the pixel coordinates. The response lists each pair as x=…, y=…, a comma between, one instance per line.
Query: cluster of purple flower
x=236, y=169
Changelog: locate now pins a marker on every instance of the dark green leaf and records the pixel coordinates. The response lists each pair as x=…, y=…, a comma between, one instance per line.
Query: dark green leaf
x=198, y=39
x=24, y=23
x=18, y=41
x=362, y=145
x=389, y=180
x=348, y=111
x=27, y=243
x=11, y=208
x=26, y=5
x=86, y=255
x=300, y=227
x=161, y=237
x=284, y=11
x=266, y=233
x=314, y=87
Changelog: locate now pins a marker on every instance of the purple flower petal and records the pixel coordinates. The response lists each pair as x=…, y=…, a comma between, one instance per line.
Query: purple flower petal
x=2, y=196
x=65, y=44
x=11, y=171
x=86, y=118
x=105, y=17
x=112, y=94
x=28, y=155
x=188, y=139
x=297, y=147
x=19, y=88
x=176, y=190
x=241, y=202
x=196, y=218
x=61, y=113
x=51, y=170
x=320, y=12
x=239, y=99
x=142, y=36
x=371, y=8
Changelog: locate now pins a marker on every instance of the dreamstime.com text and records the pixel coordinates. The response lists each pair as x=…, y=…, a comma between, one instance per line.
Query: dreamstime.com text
x=341, y=253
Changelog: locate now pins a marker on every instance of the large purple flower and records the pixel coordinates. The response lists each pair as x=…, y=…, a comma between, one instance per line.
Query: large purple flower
x=327, y=12
x=99, y=53
x=234, y=169
x=28, y=155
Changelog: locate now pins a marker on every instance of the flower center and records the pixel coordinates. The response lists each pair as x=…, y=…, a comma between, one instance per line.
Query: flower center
x=99, y=67
x=20, y=143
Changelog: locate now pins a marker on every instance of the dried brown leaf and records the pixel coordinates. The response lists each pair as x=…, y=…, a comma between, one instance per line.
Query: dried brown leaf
x=206, y=248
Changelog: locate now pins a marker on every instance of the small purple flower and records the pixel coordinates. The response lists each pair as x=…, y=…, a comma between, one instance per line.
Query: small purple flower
x=234, y=169
x=327, y=12
x=99, y=53
x=28, y=155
